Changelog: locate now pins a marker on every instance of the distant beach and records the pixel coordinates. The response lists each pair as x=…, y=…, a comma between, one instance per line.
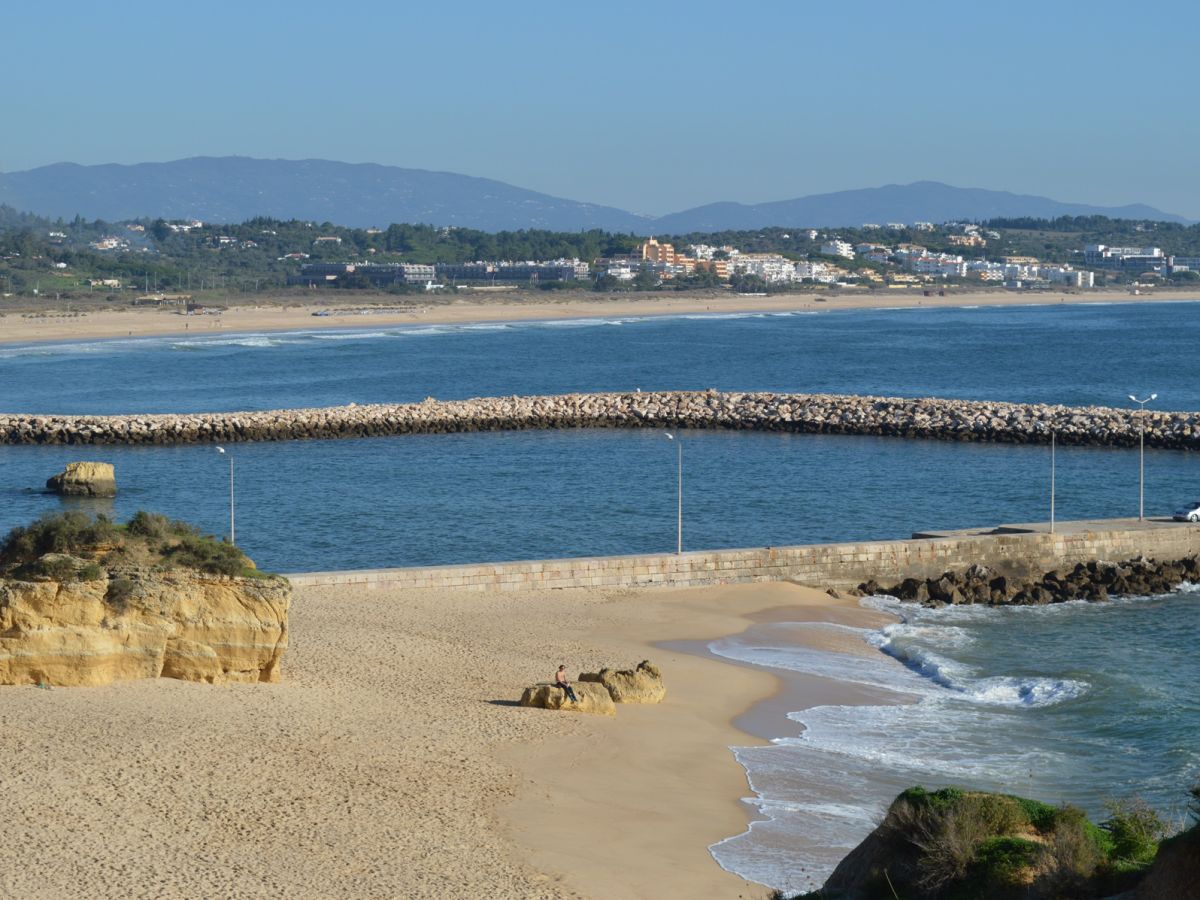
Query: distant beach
x=287, y=314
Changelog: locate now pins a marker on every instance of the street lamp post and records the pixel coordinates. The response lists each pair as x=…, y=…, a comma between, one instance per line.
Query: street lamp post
x=232, y=532
x=1052, y=474
x=1142, y=452
x=678, y=496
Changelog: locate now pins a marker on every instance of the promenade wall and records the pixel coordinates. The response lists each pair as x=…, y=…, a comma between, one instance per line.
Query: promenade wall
x=955, y=420
x=824, y=565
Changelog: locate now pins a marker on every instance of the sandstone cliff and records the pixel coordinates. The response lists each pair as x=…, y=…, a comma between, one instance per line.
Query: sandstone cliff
x=132, y=622
x=86, y=601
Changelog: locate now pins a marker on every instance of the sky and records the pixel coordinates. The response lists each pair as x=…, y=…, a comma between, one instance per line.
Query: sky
x=650, y=107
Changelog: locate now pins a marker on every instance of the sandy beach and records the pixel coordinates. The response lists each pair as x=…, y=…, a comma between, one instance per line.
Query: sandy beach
x=60, y=325
x=392, y=760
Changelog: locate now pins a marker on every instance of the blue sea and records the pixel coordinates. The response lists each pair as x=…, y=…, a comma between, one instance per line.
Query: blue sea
x=432, y=499
x=1038, y=701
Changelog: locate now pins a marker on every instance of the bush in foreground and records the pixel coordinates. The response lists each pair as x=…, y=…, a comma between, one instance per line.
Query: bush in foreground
x=953, y=844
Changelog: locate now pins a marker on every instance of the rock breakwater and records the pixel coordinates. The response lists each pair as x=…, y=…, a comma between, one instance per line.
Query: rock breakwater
x=953, y=420
x=1092, y=580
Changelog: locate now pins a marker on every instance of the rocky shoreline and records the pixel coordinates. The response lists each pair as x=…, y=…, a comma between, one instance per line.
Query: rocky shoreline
x=926, y=418
x=1093, y=581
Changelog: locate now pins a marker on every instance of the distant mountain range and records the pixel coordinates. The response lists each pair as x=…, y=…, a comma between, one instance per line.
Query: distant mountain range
x=237, y=188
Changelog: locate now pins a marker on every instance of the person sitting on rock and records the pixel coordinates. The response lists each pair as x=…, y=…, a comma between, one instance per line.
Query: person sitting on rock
x=560, y=680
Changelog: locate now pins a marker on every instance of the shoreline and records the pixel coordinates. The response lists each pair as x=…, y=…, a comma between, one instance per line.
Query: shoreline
x=143, y=323
x=563, y=820
x=393, y=759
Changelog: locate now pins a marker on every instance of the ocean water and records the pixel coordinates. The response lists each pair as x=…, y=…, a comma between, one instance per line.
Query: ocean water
x=434, y=499
x=1074, y=703
x=1073, y=354
x=1041, y=701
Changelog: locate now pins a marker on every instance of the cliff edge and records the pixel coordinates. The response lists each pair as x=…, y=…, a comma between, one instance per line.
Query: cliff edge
x=86, y=602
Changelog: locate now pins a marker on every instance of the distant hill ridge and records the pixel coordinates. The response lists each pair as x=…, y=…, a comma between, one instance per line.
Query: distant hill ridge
x=237, y=188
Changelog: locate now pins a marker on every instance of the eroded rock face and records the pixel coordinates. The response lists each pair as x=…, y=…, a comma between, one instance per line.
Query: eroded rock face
x=641, y=685
x=142, y=623
x=85, y=479
x=592, y=698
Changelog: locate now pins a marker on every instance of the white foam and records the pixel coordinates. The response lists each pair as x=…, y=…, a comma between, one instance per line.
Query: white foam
x=349, y=335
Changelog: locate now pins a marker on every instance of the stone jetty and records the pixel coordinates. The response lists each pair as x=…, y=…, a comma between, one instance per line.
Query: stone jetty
x=1094, y=580
x=928, y=418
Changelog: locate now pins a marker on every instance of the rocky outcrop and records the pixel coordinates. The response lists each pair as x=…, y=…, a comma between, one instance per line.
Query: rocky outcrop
x=85, y=479
x=643, y=684
x=958, y=843
x=101, y=625
x=952, y=420
x=591, y=698
x=1085, y=581
x=1175, y=872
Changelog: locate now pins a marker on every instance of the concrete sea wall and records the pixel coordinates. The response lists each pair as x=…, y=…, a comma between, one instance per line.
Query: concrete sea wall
x=954, y=420
x=824, y=565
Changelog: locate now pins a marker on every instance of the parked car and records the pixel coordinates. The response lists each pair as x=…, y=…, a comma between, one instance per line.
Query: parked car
x=1190, y=513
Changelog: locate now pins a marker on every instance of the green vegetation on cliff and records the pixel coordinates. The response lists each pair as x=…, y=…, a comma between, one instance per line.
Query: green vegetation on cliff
x=73, y=546
x=953, y=844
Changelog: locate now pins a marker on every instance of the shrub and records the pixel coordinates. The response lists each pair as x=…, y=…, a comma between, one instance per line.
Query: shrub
x=56, y=568
x=119, y=591
x=1003, y=861
x=1043, y=816
x=147, y=539
x=67, y=532
x=1070, y=856
x=149, y=525
x=207, y=555
x=945, y=830
x=90, y=572
x=1135, y=829
x=999, y=813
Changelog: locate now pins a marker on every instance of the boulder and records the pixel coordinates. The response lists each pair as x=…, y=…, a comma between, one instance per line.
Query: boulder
x=85, y=479
x=592, y=698
x=128, y=623
x=641, y=685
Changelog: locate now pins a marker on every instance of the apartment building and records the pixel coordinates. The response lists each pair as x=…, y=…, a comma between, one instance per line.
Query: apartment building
x=836, y=247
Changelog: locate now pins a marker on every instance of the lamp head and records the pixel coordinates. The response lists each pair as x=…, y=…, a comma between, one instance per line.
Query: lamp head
x=1154, y=396
x=220, y=449
x=670, y=437
x=1133, y=398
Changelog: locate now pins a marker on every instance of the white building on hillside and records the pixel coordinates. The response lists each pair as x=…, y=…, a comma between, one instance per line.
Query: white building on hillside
x=835, y=247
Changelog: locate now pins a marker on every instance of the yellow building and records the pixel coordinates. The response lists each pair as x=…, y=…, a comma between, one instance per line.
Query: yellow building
x=653, y=251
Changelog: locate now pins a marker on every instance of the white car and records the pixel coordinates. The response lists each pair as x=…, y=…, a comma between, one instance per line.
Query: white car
x=1190, y=513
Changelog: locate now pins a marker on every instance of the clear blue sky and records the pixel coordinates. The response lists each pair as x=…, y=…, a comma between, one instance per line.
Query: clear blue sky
x=652, y=107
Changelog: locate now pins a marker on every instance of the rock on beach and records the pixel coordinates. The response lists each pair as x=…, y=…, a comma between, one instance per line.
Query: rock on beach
x=592, y=698
x=642, y=684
